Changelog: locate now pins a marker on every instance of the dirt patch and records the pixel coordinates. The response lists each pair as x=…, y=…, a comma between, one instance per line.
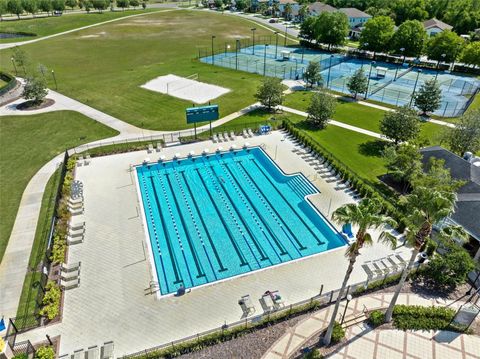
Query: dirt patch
x=30, y=106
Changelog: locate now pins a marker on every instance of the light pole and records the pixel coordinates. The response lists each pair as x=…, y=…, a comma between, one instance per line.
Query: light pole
x=227, y=47
x=329, y=67
x=253, y=39
x=276, y=43
x=14, y=66
x=403, y=54
x=54, y=79
x=396, y=71
x=213, y=55
x=236, y=54
x=286, y=29
x=415, y=87
x=265, y=60
x=303, y=52
x=438, y=64
x=365, y=45
x=369, y=75
x=349, y=298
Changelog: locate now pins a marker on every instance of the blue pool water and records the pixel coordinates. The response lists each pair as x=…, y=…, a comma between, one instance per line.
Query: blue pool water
x=218, y=216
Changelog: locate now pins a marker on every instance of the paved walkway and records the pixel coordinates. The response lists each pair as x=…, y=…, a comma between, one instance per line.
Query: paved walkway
x=364, y=342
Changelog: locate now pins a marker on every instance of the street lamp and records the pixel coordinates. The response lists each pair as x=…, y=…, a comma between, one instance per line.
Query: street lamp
x=349, y=298
x=365, y=45
x=227, y=47
x=438, y=64
x=213, y=55
x=303, y=52
x=402, y=50
x=14, y=66
x=415, y=87
x=236, y=54
x=276, y=43
x=369, y=75
x=54, y=79
x=286, y=29
x=253, y=39
x=265, y=60
x=329, y=67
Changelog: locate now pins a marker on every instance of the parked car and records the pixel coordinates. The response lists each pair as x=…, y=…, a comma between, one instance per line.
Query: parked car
x=272, y=21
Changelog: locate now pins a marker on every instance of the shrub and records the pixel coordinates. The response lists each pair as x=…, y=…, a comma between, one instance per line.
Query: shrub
x=431, y=247
x=21, y=356
x=415, y=317
x=314, y=354
x=45, y=352
x=51, y=301
x=338, y=333
x=376, y=318
x=58, y=250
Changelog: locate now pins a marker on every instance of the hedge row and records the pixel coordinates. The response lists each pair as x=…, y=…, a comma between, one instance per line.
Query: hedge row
x=10, y=80
x=347, y=174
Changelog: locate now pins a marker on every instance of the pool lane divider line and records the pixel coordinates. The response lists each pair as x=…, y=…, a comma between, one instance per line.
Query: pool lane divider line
x=292, y=235
x=243, y=262
x=319, y=242
x=167, y=236
x=257, y=245
x=270, y=231
x=180, y=243
x=199, y=267
x=222, y=267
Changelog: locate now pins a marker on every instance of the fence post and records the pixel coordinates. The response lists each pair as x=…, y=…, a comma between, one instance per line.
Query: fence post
x=331, y=297
x=321, y=290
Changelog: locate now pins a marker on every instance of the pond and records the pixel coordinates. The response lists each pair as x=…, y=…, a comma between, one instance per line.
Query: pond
x=11, y=35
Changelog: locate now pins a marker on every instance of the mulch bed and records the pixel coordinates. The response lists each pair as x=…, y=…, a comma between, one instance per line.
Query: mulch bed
x=30, y=106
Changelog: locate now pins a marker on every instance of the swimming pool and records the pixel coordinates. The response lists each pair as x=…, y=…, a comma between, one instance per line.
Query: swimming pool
x=221, y=215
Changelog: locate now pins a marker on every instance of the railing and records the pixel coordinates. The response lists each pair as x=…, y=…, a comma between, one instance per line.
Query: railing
x=323, y=300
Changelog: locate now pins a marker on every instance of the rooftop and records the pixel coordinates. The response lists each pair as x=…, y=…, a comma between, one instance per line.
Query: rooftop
x=467, y=211
x=436, y=23
x=319, y=7
x=353, y=12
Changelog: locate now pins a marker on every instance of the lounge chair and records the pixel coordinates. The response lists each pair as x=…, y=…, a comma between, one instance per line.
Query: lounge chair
x=79, y=354
x=75, y=205
x=277, y=299
x=107, y=351
x=76, y=211
x=70, y=268
x=225, y=135
x=75, y=240
x=159, y=146
x=66, y=285
x=214, y=138
x=246, y=304
x=150, y=148
x=77, y=232
x=232, y=135
x=244, y=133
x=92, y=353
x=76, y=226
x=87, y=160
x=347, y=231
x=67, y=277
x=220, y=138
x=80, y=161
x=250, y=133
x=78, y=199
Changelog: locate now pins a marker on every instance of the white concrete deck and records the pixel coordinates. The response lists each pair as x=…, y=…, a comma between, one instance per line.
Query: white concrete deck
x=112, y=302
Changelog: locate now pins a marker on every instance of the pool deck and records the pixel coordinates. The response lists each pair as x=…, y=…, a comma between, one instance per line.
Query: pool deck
x=113, y=301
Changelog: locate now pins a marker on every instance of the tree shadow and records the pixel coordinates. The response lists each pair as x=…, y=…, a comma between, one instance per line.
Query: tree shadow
x=372, y=148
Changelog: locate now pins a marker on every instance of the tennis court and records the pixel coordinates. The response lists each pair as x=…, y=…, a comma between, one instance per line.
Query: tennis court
x=388, y=83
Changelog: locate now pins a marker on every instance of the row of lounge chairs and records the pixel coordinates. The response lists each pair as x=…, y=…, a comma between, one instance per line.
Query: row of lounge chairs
x=270, y=301
x=83, y=161
x=106, y=351
x=390, y=264
x=70, y=276
x=157, y=148
x=225, y=137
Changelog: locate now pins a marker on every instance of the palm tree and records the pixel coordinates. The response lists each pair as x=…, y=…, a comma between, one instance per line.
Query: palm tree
x=303, y=12
x=366, y=215
x=287, y=11
x=425, y=207
x=275, y=9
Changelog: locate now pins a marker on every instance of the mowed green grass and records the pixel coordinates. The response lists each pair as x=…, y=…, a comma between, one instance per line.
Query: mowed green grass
x=27, y=143
x=54, y=24
x=105, y=66
x=364, y=117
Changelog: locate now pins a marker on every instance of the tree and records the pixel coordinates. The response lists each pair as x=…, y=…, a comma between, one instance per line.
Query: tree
x=218, y=3
x=15, y=7
x=88, y=5
x=423, y=207
x=409, y=10
x=463, y=15
x=287, y=11
x=58, y=5
x=403, y=163
x=3, y=8
x=436, y=175
x=400, y=125
x=71, y=3
x=321, y=108
x=241, y=5
x=428, y=98
x=100, y=5
x=465, y=136
x=307, y=29
x=471, y=54
x=312, y=73
x=303, y=12
x=331, y=28
x=410, y=36
x=30, y=6
x=270, y=92
x=45, y=5
x=357, y=83
x=134, y=3
x=366, y=215
x=377, y=34
x=35, y=89
x=20, y=58
x=446, y=42
x=122, y=4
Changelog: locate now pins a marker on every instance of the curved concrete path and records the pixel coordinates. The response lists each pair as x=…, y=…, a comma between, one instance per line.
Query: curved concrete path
x=362, y=342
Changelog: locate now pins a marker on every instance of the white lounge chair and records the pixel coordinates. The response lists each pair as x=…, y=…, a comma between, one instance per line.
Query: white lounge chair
x=220, y=138
x=75, y=205
x=244, y=133
x=92, y=353
x=66, y=285
x=232, y=135
x=79, y=354
x=75, y=240
x=225, y=135
x=214, y=138
x=159, y=146
x=80, y=161
x=70, y=268
x=250, y=133
x=69, y=276
x=76, y=232
x=76, y=226
x=246, y=304
x=87, y=160
x=107, y=351
x=150, y=148
x=76, y=211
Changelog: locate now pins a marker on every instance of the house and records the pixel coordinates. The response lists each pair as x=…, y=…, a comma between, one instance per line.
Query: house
x=317, y=8
x=295, y=7
x=356, y=18
x=435, y=26
x=467, y=210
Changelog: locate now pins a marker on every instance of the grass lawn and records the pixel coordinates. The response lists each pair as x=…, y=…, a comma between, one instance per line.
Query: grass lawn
x=54, y=24
x=27, y=143
x=105, y=66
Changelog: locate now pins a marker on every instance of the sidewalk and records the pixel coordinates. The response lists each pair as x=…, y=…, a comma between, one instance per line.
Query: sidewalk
x=364, y=342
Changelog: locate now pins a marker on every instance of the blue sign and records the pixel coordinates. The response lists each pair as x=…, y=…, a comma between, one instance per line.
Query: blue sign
x=202, y=113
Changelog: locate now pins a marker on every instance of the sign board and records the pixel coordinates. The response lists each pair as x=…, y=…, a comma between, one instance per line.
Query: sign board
x=466, y=315
x=202, y=113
